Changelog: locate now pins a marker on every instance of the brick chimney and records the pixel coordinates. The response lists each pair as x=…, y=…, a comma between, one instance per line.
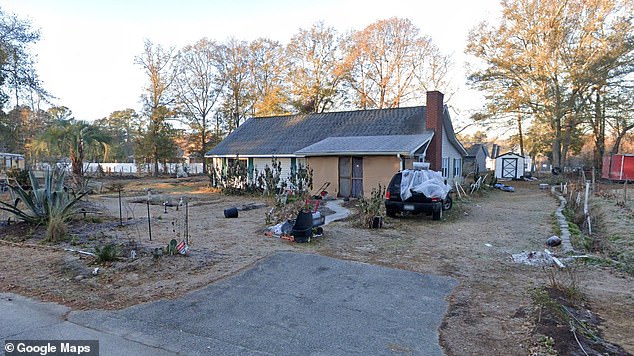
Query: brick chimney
x=434, y=122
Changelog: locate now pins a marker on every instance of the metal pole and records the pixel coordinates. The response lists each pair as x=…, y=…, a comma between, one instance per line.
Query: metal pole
x=120, y=214
x=149, y=225
x=187, y=222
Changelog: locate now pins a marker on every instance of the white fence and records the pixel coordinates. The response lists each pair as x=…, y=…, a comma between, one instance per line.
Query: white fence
x=146, y=168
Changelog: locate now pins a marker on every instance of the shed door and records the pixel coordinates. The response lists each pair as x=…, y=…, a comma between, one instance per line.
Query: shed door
x=509, y=168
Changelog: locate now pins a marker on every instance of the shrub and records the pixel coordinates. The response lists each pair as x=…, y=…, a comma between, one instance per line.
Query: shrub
x=372, y=206
x=51, y=204
x=106, y=253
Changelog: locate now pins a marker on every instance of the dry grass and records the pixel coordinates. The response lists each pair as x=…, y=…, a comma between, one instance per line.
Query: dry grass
x=617, y=226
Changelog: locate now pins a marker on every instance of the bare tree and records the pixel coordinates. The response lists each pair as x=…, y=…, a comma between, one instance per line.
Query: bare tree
x=158, y=64
x=314, y=68
x=199, y=84
x=236, y=98
x=266, y=66
x=389, y=62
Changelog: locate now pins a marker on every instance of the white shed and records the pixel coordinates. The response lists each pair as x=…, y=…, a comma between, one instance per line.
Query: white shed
x=509, y=166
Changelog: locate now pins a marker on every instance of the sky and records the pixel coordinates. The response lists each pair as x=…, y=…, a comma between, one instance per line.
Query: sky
x=85, y=56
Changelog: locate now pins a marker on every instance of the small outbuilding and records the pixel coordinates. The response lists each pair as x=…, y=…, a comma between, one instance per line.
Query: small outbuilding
x=9, y=161
x=509, y=166
x=618, y=167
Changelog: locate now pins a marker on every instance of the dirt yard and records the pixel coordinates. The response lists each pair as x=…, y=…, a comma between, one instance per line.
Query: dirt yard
x=491, y=311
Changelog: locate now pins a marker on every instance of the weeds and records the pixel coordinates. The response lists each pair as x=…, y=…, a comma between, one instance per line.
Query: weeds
x=373, y=206
x=106, y=253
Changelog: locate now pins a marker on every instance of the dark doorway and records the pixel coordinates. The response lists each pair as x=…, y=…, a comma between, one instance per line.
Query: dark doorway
x=351, y=177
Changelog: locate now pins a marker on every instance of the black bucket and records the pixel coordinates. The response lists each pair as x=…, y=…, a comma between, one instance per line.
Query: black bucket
x=303, y=228
x=231, y=213
x=377, y=222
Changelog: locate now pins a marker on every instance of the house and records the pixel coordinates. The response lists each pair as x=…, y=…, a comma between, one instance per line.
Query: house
x=476, y=159
x=509, y=166
x=353, y=150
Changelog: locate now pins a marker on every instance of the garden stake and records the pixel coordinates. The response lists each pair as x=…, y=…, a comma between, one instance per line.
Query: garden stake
x=120, y=216
x=149, y=225
x=187, y=222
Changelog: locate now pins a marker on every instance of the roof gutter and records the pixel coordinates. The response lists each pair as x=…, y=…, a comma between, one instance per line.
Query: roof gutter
x=286, y=155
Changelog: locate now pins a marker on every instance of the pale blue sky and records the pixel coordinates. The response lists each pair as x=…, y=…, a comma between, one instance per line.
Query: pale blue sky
x=86, y=54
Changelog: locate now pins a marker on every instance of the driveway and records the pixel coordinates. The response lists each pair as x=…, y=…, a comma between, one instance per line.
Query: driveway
x=287, y=304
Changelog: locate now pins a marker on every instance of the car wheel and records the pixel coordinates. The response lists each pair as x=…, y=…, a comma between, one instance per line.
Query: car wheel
x=447, y=203
x=437, y=215
x=391, y=212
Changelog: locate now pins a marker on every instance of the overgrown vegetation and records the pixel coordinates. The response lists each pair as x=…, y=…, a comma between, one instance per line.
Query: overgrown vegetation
x=609, y=231
x=106, y=253
x=564, y=322
x=51, y=203
x=373, y=206
x=290, y=194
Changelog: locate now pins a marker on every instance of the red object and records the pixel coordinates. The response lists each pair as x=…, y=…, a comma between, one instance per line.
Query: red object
x=387, y=195
x=315, y=202
x=618, y=167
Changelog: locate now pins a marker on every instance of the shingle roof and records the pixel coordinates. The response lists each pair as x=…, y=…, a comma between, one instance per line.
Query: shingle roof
x=288, y=134
x=392, y=144
x=473, y=150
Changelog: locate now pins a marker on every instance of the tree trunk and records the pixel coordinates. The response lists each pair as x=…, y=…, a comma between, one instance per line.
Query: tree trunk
x=203, y=143
x=520, y=133
x=599, y=131
x=156, y=161
x=619, y=138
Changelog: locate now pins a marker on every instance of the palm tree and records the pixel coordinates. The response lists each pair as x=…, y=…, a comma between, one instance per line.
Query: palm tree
x=74, y=138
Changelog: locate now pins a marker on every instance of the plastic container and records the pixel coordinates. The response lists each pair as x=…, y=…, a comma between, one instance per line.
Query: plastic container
x=231, y=212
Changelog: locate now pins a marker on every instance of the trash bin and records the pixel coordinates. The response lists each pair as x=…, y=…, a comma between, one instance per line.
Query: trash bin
x=303, y=228
x=231, y=212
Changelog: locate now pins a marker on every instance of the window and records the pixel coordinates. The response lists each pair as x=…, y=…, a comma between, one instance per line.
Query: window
x=457, y=167
x=445, y=167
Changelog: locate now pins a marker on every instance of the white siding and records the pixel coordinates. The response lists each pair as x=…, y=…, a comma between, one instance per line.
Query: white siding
x=519, y=171
x=261, y=163
x=450, y=152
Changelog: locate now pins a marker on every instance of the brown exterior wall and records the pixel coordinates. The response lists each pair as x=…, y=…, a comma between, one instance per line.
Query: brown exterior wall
x=409, y=163
x=325, y=169
x=378, y=169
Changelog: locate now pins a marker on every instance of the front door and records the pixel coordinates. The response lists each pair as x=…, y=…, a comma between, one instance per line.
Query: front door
x=509, y=167
x=351, y=177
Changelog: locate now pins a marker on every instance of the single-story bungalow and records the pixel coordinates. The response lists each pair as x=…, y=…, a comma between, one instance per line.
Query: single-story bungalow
x=354, y=151
x=476, y=159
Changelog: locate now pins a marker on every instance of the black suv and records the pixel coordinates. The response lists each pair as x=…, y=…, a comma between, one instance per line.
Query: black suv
x=417, y=203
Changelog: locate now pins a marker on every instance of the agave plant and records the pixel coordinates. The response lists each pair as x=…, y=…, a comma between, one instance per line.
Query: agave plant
x=50, y=203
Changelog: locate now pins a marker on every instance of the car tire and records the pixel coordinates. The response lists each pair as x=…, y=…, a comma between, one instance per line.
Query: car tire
x=447, y=203
x=437, y=215
x=391, y=212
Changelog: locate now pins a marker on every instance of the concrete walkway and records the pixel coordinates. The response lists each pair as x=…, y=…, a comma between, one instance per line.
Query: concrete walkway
x=287, y=304
x=340, y=211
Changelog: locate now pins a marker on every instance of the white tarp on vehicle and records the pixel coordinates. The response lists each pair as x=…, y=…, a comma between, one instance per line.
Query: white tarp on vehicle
x=430, y=183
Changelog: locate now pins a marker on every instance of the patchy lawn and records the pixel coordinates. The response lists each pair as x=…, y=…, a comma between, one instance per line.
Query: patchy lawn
x=491, y=311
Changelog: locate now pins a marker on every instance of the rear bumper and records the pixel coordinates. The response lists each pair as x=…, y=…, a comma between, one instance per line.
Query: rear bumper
x=414, y=207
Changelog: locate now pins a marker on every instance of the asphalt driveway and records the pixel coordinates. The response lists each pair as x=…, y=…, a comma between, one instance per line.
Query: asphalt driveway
x=287, y=304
